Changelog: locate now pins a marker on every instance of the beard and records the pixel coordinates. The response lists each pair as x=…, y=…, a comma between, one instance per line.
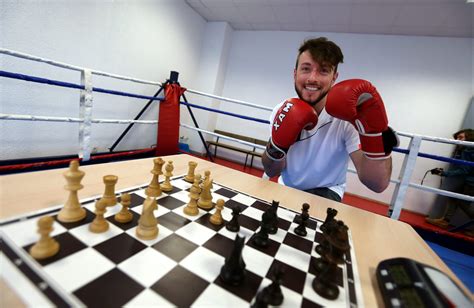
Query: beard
x=314, y=101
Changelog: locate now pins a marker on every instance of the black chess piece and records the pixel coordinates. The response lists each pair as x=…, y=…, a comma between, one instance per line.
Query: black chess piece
x=274, y=289
x=338, y=243
x=233, y=224
x=330, y=214
x=301, y=228
x=270, y=218
x=233, y=270
x=272, y=294
x=261, y=300
x=304, y=209
x=260, y=238
x=323, y=247
x=323, y=283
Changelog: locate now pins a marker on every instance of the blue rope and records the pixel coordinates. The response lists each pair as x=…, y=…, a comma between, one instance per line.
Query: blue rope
x=440, y=158
x=72, y=85
x=227, y=113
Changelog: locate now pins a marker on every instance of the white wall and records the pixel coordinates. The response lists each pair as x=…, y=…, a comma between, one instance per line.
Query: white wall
x=139, y=38
x=426, y=83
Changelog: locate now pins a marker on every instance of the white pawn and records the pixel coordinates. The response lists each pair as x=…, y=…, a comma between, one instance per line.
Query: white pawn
x=166, y=186
x=216, y=218
x=99, y=224
x=124, y=215
x=46, y=246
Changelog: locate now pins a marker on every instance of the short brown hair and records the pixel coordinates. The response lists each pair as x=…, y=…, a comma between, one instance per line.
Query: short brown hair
x=468, y=133
x=323, y=51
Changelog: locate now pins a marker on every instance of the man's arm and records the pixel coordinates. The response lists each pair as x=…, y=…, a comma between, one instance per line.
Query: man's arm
x=272, y=167
x=375, y=174
x=293, y=116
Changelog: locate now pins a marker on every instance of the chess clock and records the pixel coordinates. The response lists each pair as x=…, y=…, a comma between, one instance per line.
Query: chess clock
x=408, y=283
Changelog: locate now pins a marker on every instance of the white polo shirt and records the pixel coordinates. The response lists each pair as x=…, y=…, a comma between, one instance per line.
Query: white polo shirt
x=321, y=156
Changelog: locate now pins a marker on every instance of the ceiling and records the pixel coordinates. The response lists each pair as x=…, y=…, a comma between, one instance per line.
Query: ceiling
x=451, y=18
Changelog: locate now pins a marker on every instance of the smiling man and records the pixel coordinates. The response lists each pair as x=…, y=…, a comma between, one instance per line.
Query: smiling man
x=313, y=136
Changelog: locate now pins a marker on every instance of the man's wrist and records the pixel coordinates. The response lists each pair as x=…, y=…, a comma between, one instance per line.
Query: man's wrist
x=274, y=152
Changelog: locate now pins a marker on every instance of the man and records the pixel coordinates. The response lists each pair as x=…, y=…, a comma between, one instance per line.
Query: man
x=313, y=137
x=463, y=172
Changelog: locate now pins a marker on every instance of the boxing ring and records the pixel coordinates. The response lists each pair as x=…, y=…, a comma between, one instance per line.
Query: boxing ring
x=169, y=123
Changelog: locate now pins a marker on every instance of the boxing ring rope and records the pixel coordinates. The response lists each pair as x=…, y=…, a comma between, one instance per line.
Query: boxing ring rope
x=402, y=183
x=73, y=67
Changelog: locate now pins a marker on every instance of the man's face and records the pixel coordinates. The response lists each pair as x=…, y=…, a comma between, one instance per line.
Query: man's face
x=461, y=137
x=313, y=80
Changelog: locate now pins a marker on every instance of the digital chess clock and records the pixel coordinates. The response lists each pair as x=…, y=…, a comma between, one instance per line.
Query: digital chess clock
x=408, y=283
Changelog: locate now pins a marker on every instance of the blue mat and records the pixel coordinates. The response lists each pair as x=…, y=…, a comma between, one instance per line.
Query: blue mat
x=461, y=264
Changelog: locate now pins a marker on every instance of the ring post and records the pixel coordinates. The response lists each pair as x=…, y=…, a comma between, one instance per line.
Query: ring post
x=406, y=171
x=85, y=113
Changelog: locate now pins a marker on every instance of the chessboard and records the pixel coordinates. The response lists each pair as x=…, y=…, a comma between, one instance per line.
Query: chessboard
x=180, y=267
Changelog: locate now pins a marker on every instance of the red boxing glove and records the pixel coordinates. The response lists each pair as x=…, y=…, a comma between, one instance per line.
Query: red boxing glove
x=357, y=101
x=292, y=117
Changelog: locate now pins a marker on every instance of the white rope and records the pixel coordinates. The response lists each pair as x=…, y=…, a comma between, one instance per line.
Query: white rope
x=258, y=146
x=429, y=189
x=235, y=101
x=438, y=139
x=24, y=117
x=73, y=67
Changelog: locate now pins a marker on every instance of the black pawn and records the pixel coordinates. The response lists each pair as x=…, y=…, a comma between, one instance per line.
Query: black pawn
x=304, y=209
x=301, y=228
x=274, y=290
x=330, y=214
x=260, y=238
x=233, y=224
x=233, y=270
x=272, y=294
x=323, y=284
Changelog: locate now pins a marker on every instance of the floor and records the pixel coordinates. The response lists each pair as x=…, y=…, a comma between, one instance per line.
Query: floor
x=455, y=249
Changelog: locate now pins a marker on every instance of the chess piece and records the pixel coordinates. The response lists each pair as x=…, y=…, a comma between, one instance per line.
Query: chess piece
x=190, y=176
x=260, y=239
x=304, y=209
x=274, y=292
x=323, y=283
x=166, y=186
x=338, y=243
x=99, y=224
x=323, y=247
x=72, y=210
x=191, y=208
x=301, y=228
x=109, y=197
x=147, y=228
x=216, y=218
x=207, y=176
x=124, y=215
x=270, y=217
x=233, y=270
x=233, y=224
x=330, y=214
x=261, y=300
x=46, y=246
x=154, y=189
x=205, y=198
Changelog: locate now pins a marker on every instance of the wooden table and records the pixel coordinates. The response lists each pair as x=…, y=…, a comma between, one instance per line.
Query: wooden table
x=375, y=237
